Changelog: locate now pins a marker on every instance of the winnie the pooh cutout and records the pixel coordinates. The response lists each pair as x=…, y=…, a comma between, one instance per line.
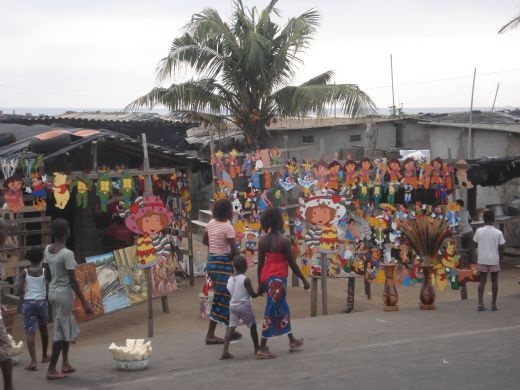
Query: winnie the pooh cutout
x=60, y=189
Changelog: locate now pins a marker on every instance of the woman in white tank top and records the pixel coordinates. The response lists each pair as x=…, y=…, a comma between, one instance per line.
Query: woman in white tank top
x=33, y=296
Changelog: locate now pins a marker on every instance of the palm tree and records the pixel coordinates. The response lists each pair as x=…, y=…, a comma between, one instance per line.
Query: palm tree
x=513, y=23
x=244, y=69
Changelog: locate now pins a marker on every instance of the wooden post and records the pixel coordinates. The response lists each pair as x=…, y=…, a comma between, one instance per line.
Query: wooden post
x=148, y=271
x=295, y=282
x=212, y=152
x=351, y=288
x=190, y=243
x=471, y=115
x=93, y=150
x=324, y=268
x=314, y=297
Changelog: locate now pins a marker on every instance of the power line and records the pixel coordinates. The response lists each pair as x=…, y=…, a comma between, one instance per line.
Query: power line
x=61, y=93
x=444, y=79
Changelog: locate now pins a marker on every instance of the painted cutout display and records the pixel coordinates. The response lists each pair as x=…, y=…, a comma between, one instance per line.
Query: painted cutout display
x=114, y=294
x=82, y=185
x=38, y=190
x=354, y=211
x=127, y=188
x=104, y=190
x=8, y=165
x=89, y=286
x=148, y=217
x=60, y=189
x=14, y=196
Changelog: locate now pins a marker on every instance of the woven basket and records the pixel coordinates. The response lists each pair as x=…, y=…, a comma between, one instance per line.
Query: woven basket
x=9, y=315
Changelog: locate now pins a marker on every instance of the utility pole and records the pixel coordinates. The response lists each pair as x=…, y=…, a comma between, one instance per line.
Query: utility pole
x=471, y=113
x=495, y=99
x=392, y=76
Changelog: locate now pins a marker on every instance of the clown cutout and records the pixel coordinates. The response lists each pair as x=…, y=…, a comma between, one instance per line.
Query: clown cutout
x=148, y=217
x=322, y=211
x=83, y=186
x=13, y=196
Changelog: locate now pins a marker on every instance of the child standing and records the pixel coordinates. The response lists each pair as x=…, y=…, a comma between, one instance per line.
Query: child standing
x=33, y=296
x=490, y=243
x=239, y=286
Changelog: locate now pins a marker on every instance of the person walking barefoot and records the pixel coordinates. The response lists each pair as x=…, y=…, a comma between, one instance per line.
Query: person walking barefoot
x=60, y=264
x=274, y=258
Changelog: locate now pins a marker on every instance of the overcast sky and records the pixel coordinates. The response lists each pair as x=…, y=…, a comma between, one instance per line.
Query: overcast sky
x=83, y=54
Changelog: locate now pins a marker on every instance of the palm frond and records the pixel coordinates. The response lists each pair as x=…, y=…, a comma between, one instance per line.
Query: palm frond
x=323, y=78
x=316, y=98
x=512, y=24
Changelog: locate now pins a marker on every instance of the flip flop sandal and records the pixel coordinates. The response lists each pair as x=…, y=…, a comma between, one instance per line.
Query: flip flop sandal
x=264, y=355
x=215, y=341
x=226, y=357
x=68, y=370
x=297, y=346
x=59, y=375
x=494, y=308
x=482, y=308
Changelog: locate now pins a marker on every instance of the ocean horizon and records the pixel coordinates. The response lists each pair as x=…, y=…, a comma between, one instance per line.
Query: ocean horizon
x=36, y=111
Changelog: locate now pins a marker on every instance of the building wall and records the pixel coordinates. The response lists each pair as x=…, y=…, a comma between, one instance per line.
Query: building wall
x=337, y=140
x=408, y=135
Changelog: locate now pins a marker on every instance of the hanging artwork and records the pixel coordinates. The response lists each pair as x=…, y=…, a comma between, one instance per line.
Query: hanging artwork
x=31, y=163
x=83, y=185
x=127, y=188
x=8, y=165
x=38, y=190
x=104, y=190
x=60, y=189
x=148, y=217
x=89, y=286
x=132, y=278
x=14, y=196
x=114, y=294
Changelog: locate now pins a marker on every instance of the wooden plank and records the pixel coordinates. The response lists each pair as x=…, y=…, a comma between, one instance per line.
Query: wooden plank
x=314, y=297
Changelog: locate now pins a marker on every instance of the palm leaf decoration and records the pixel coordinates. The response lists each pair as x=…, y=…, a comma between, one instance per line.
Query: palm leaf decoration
x=242, y=72
x=425, y=236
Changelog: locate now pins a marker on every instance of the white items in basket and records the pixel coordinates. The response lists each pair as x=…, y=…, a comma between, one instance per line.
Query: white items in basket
x=133, y=356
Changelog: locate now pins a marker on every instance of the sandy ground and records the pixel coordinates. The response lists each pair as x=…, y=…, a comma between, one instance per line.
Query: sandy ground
x=184, y=306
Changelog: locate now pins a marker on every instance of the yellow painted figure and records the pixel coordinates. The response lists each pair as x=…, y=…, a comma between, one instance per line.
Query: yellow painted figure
x=146, y=255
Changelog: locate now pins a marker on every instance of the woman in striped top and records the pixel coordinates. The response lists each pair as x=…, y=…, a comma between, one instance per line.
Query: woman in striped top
x=220, y=238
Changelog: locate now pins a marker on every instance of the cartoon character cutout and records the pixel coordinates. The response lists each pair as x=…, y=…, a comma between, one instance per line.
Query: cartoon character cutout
x=126, y=188
x=410, y=173
x=60, y=189
x=148, y=217
x=83, y=186
x=334, y=175
x=351, y=174
x=365, y=167
x=462, y=174
x=307, y=180
x=234, y=167
x=394, y=171
x=452, y=215
x=322, y=211
x=247, y=165
x=321, y=173
x=218, y=164
x=104, y=190
x=38, y=190
x=14, y=196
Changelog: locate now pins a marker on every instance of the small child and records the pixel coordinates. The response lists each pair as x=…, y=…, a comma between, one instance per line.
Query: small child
x=33, y=297
x=239, y=286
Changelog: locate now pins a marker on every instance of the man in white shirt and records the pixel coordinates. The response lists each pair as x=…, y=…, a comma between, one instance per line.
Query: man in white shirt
x=490, y=243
